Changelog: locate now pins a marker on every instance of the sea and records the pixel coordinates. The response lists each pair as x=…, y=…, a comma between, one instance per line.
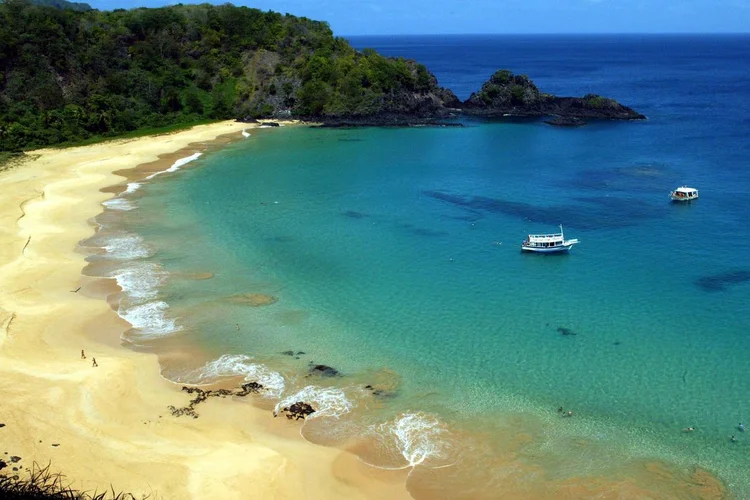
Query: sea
x=376, y=274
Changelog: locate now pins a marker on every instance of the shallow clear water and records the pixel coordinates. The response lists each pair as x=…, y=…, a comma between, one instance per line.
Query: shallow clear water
x=399, y=249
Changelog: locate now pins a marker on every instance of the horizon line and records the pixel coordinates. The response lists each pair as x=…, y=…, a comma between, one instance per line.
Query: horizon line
x=628, y=33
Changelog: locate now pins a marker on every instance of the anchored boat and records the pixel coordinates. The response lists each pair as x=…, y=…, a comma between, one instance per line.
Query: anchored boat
x=684, y=193
x=548, y=243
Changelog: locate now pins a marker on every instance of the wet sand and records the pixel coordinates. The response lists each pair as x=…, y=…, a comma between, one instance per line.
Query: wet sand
x=109, y=425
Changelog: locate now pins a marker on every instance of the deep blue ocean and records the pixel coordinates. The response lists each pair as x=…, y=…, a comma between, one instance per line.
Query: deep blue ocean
x=394, y=256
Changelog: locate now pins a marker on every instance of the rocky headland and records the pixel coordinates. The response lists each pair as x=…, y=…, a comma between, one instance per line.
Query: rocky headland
x=174, y=66
x=504, y=96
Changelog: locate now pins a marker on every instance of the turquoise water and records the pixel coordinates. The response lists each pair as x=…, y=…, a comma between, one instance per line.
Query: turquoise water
x=395, y=258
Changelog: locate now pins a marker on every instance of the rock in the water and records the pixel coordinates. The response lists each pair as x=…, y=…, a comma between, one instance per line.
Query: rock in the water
x=570, y=121
x=565, y=331
x=298, y=410
x=325, y=370
x=253, y=299
x=509, y=95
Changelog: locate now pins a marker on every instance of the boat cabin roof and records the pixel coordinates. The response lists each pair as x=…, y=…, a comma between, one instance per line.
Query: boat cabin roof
x=685, y=189
x=546, y=237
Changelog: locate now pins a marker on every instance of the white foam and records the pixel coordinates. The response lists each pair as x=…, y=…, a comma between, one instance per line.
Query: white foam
x=126, y=247
x=416, y=436
x=233, y=365
x=327, y=402
x=176, y=165
x=132, y=187
x=149, y=319
x=119, y=204
x=245, y=133
x=140, y=281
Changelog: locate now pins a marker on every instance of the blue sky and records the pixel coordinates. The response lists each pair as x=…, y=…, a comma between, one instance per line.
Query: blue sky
x=357, y=17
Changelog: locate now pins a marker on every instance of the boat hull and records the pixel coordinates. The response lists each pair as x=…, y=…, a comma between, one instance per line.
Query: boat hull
x=682, y=198
x=559, y=249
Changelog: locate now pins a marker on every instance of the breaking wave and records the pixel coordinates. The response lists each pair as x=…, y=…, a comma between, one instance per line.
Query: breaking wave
x=149, y=319
x=121, y=204
x=233, y=365
x=176, y=165
x=132, y=187
x=327, y=402
x=126, y=247
x=416, y=436
x=140, y=281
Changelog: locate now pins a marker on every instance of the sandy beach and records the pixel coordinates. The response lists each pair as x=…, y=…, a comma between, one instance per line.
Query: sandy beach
x=108, y=426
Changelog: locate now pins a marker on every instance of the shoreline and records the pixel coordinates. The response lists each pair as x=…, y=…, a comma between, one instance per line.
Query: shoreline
x=228, y=438
x=110, y=425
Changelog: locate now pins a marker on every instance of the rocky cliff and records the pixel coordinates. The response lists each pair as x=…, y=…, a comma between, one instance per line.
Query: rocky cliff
x=506, y=94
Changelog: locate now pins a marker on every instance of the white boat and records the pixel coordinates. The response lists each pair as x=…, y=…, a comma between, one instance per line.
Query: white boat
x=684, y=193
x=548, y=243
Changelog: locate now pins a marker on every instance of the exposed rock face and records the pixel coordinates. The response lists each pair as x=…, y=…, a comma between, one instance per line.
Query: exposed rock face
x=506, y=94
x=298, y=410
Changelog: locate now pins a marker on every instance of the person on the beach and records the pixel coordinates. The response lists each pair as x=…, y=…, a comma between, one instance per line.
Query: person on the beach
x=732, y=439
x=94, y=363
x=83, y=356
x=741, y=427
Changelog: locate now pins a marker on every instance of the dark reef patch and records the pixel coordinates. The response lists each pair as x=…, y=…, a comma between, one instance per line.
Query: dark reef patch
x=280, y=239
x=561, y=121
x=720, y=282
x=639, y=177
x=471, y=217
x=353, y=214
x=591, y=213
x=565, y=331
x=324, y=370
x=421, y=231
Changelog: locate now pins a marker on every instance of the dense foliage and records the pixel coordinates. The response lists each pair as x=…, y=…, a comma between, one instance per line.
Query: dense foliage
x=67, y=75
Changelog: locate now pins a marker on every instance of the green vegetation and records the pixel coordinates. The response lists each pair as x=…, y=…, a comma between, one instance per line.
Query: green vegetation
x=72, y=75
x=42, y=484
x=506, y=89
x=596, y=101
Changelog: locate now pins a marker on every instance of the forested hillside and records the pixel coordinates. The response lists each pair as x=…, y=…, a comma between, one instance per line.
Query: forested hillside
x=67, y=75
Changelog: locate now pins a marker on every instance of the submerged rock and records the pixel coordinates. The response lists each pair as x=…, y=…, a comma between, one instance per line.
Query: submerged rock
x=720, y=282
x=566, y=331
x=571, y=121
x=199, y=276
x=253, y=299
x=325, y=370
